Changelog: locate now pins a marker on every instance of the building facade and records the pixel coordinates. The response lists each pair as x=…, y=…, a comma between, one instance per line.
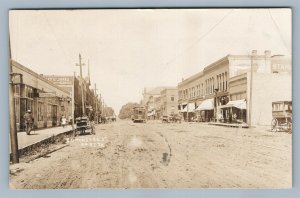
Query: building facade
x=169, y=101
x=260, y=89
x=47, y=101
x=239, y=78
x=92, y=103
x=152, y=102
x=196, y=93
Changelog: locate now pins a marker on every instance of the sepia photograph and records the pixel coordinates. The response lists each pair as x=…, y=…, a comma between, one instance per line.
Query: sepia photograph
x=150, y=98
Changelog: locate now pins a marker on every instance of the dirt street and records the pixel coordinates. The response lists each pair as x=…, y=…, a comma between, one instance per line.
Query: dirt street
x=156, y=155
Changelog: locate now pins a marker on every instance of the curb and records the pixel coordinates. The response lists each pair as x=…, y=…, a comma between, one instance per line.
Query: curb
x=38, y=144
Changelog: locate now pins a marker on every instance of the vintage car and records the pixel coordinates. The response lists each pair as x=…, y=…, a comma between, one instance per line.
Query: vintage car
x=84, y=125
x=171, y=118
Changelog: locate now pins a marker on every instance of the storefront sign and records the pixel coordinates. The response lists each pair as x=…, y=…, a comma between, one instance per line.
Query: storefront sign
x=47, y=95
x=61, y=80
x=281, y=65
x=280, y=68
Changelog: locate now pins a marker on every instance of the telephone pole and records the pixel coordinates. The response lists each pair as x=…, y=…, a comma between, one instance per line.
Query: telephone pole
x=96, y=101
x=12, y=114
x=253, y=55
x=82, y=84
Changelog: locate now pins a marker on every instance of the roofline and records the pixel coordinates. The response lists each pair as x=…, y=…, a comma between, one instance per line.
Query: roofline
x=26, y=69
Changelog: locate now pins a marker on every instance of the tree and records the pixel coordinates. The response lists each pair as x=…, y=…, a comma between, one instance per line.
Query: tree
x=127, y=110
x=109, y=111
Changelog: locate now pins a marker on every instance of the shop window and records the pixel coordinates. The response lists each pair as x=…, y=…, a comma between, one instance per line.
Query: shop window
x=29, y=104
x=49, y=109
x=40, y=111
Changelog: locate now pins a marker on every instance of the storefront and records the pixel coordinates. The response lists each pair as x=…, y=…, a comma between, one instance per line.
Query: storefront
x=205, y=111
x=188, y=111
x=233, y=112
x=47, y=102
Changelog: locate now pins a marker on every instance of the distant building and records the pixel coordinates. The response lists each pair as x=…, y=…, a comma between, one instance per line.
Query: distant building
x=150, y=97
x=73, y=85
x=46, y=100
x=169, y=101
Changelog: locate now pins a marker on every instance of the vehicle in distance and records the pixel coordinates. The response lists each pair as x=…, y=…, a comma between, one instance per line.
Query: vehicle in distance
x=139, y=114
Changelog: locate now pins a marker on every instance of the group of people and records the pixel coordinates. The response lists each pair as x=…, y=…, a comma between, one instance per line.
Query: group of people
x=29, y=120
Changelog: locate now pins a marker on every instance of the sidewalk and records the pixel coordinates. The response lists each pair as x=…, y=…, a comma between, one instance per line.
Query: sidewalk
x=25, y=140
x=243, y=125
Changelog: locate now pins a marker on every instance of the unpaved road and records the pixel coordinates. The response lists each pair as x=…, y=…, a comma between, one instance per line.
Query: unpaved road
x=155, y=155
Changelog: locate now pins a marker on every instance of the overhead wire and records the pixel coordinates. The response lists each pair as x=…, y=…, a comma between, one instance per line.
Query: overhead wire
x=201, y=37
x=56, y=39
x=278, y=30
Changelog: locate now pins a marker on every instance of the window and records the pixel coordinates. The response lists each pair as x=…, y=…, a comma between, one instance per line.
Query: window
x=172, y=98
x=213, y=84
x=29, y=92
x=40, y=111
x=49, y=109
x=225, y=80
x=223, y=85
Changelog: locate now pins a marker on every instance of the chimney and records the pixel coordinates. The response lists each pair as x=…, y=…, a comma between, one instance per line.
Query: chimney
x=268, y=53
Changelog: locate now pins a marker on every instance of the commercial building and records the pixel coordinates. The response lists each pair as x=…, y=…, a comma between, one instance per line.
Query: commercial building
x=47, y=101
x=169, y=101
x=92, y=103
x=197, y=93
x=237, y=88
x=152, y=102
x=260, y=89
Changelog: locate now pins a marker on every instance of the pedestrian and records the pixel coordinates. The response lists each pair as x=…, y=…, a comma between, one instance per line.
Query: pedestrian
x=70, y=119
x=63, y=121
x=28, y=117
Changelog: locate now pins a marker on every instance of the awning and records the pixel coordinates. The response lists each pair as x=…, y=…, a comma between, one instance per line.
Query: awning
x=206, y=105
x=151, y=113
x=150, y=108
x=189, y=108
x=240, y=104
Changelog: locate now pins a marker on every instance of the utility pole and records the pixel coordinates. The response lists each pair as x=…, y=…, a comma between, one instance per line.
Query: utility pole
x=96, y=101
x=82, y=84
x=251, y=86
x=73, y=105
x=12, y=116
x=103, y=107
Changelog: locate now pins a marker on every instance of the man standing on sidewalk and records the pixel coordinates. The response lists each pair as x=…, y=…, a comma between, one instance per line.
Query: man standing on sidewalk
x=63, y=121
x=28, y=121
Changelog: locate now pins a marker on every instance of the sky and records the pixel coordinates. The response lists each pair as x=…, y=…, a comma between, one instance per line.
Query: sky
x=129, y=49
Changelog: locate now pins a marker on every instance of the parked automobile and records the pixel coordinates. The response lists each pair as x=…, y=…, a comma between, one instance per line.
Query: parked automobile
x=84, y=125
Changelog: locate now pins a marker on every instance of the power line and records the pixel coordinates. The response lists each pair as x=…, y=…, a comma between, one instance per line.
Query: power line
x=278, y=29
x=202, y=37
x=56, y=39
